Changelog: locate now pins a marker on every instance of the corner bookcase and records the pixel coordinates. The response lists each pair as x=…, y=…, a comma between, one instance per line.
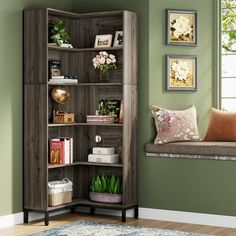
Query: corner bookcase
x=85, y=96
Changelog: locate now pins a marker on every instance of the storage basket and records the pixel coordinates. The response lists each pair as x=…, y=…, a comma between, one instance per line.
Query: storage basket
x=60, y=192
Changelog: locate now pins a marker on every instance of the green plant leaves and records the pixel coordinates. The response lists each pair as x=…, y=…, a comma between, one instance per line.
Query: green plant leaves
x=106, y=184
x=58, y=33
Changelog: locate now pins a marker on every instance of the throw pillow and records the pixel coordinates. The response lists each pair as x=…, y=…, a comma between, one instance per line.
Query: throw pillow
x=222, y=126
x=173, y=126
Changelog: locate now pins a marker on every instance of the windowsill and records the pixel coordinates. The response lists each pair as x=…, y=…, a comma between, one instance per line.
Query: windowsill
x=193, y=150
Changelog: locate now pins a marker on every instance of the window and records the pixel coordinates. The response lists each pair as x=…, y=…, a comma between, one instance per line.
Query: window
x=228, y=55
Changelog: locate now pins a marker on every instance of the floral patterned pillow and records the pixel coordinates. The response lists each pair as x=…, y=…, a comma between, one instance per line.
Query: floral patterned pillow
x=174, y=126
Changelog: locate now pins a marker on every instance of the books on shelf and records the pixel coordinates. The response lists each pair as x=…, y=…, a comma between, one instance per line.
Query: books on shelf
x=61, y=150
x=63, y=80
x=100, y=119
x=63, y=45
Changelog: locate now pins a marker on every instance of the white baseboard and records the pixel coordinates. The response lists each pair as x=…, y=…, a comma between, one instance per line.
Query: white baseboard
x=10, y=220
x=15, y=219
x=144, y=213
x=188, y=217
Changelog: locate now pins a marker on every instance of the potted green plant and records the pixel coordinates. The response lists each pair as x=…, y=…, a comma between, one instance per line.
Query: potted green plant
x=58, y=33
x=106, y=189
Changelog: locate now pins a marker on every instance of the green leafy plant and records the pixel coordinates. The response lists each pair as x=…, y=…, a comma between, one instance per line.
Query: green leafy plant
x=228, y=24
x=58, y=33
x=109, y=107
x=106, y=184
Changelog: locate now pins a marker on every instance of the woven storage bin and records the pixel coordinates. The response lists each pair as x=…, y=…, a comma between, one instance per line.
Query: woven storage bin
x=59, y=192
x=59, y=198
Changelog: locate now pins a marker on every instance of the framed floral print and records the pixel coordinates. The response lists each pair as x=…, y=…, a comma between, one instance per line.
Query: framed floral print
x=181, y=27
x=181, y=72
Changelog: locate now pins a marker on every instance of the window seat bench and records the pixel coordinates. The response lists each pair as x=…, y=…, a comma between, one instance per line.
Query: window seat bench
x=193, y=150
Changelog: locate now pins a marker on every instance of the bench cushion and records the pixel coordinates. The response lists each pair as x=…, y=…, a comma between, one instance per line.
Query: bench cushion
x=202, y=148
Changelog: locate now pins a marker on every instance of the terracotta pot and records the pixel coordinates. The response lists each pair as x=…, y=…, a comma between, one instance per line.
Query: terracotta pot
x=105, y=197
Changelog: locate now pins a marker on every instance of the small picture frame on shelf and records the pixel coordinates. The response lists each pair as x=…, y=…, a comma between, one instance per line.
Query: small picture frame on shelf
x=181, y=27
x=181, y=72
x=103, y=41
x=118, y=40
x=54, y=68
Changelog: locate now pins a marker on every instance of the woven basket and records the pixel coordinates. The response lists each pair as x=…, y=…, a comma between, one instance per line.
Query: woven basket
x=59, y=198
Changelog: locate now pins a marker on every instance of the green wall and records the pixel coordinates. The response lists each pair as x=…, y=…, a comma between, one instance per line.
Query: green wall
x=185, y=185
x=11, y=86
x=205, y=186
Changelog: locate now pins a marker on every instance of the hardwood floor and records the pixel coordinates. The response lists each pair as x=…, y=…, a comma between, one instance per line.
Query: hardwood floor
x=25, y=229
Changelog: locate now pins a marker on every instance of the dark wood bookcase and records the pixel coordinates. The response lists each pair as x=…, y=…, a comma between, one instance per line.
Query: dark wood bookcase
x=85, y=96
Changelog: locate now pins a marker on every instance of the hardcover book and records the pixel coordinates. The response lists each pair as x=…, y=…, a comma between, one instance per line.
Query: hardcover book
x=56, y=152
x=61, y=150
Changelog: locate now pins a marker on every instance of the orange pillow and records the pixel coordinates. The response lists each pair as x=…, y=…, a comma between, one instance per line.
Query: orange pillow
x=222, y=126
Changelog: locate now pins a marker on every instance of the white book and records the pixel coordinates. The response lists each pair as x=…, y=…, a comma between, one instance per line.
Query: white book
x=67, y=151
x=61, y=77
x=63, y=45
x=71, y=150
x=63, y=81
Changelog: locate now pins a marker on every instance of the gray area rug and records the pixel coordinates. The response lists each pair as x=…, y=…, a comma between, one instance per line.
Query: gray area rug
x=92, y=228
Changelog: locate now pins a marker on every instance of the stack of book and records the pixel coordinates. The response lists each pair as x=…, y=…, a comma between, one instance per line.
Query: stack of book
x=61, y=150
x=103, y=155
x=61, y=79
x=100, y=119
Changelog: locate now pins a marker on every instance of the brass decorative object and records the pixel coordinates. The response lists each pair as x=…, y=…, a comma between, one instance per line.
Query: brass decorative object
x=60, y=95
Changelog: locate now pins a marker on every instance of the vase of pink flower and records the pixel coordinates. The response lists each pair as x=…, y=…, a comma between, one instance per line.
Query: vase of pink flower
x=104, y=62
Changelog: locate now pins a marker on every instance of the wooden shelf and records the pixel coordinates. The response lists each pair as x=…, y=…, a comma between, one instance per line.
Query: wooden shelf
x=68, y=205
x=84, y=163
x=84, y=49
x=39, y=105
x=53, y=166
x=86, y=202
x=85, y=124
x=87, y=84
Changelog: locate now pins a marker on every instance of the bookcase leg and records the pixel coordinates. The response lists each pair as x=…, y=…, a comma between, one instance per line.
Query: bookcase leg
x=46, y=219
x=92, y=210
x=136, y=212
x=26, y=216
x=123, y=215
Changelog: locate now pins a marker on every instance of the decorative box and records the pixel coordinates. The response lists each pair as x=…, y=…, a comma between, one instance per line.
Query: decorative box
x=63, y=117
x=59, y=192
x=104, y=150
x=101, y=158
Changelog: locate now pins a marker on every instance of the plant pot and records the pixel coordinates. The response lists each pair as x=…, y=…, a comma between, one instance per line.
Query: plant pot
x=105, y=197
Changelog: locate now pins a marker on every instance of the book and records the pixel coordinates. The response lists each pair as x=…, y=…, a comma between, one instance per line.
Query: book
x=100, y=119
x=61, y=77
x=71, y=150
x=63, y=45
x=63, y=81
x=64, y=154
x=56, y=152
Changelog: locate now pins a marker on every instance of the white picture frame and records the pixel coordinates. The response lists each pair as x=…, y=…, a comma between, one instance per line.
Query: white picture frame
x=103, y=41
